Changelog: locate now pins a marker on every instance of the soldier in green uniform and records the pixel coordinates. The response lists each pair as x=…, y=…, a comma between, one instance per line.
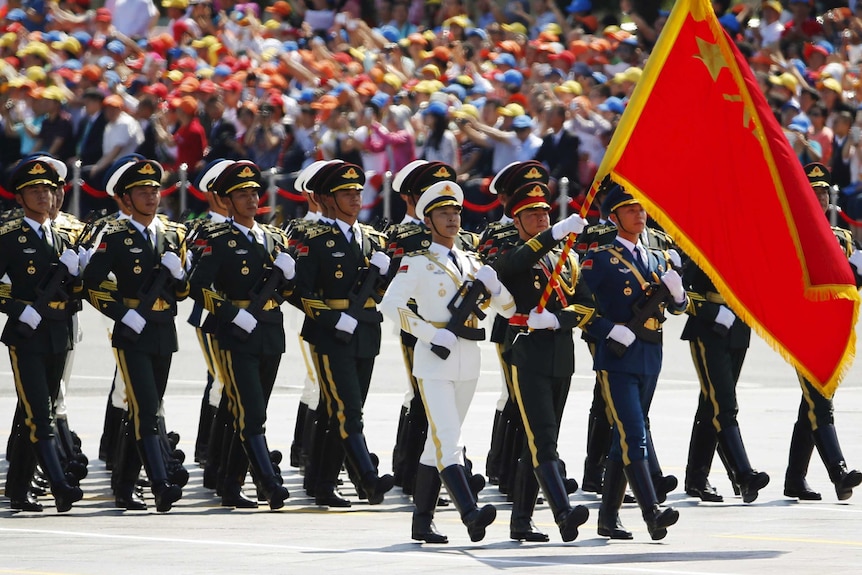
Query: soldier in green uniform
x=145, y=254
x=234, y=281
x=541, y=350
x=719, y=341
x=33, y=253
x=329, y=263
x=815, y=424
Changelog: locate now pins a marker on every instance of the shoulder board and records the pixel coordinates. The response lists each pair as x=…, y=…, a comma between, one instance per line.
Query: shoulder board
x=422, y=252
x=11, y=226
x=663, y=239
x=372, y=231
x=469, y=240
x=603, y=248
x=116, y=226
x=311, y=233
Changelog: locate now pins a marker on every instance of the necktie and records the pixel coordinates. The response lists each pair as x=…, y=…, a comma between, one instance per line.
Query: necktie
x=639, y=260
x=46, y=236
x=148, y=236
x=252, y=238
x=454, y=259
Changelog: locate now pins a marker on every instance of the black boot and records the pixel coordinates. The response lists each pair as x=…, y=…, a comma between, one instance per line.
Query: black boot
x=329, y=461
x=165, y=493
x=298, y=428
x=477, y=520
x=613, y=492
x=801, y=448
x=425, y=499
x=416, y=433
x=398, y=450
x=726, y=464
x=525, y=489
x=750, y=481
x=22, y=465
x=701, y=449
x=268, y=484
x=308, y=433
x=221, y=426
x=568, y=518
x=111, y=433
x=177, y=474
x=127, y=469
x=826, y=440
x=512, y=449
x=357, y=454
x=662, y=484
x=64, y=494
x=205, y=426
x=498, y=437
x=599, y=433
x=73, y=460
x=656, y=518
x=316, y=446
x=236, y=468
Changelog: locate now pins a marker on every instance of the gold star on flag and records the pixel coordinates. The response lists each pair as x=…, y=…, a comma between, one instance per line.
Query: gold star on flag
x=711, y=56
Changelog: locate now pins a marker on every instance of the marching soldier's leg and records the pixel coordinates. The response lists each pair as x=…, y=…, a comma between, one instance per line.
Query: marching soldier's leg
x=525, y=492
x=417, y=432
x=235, y=471
x=221, y=425
x=113, y=420
x=613, y=493
x=398, y=451
x=208, y=406
x=330, y=459
x=599, y=433
x=749, y=480
x=663, y=484
x=425, y=495
x=701, y=449
x=498, y=431
x=22, y=465
x=295, y=458
x=801, y=448
x=126, y=470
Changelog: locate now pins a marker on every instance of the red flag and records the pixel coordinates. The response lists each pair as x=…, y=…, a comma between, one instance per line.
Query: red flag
x=700, y=147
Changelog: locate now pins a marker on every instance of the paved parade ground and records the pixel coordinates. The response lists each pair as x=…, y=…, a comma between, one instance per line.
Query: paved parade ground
x=772, y=535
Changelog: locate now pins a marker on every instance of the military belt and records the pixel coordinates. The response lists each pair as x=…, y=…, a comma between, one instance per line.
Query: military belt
x=270, y=304
x=713, y=297
x=159, y=305
x=471, y=323
x=51, y=304
x=340, y=304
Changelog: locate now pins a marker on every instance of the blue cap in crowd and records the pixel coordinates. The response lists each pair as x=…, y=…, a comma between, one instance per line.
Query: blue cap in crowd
x=436, y=109
x=512, y=77
x=579, y=6
x=505, y=59
x=522, y=121
x=612, y=104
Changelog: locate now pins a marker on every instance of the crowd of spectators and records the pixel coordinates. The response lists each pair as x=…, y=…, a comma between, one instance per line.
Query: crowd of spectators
x=476, y=84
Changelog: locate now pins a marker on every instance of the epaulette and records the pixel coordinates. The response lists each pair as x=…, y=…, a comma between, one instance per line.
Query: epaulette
x=663, y=240
x=603, y=248
x=11, y=226
x=372, y=231
x=313, y=232
x=599, y=229
x=115, y=226
x=469, y=240
x=422, y=252
x=407, y=232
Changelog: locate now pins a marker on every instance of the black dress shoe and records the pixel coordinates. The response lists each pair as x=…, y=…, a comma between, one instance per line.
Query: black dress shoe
x=428, y=534
x=527, y=531
x=331, y=499
x=705, y=492
x=131, y=502
x=28, y=503
x=238, y=500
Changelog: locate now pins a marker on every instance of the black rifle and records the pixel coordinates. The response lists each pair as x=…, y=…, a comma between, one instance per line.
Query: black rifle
x=259, y=298
x=49, y=291
x=160, y=279
x=364, y=287
x=648, y=307
x=466, y=302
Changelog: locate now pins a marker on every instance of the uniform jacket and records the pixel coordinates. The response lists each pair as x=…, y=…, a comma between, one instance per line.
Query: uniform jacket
x=327, y=267
x=29, y=261
x=431, y=279
x=525, y=270
x=230, y=271
x=496, y=239
x=123, y=251
x=704, y=301
x=612, y=276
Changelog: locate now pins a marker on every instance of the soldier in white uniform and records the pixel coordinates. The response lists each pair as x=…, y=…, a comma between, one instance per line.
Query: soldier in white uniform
x=431, y=278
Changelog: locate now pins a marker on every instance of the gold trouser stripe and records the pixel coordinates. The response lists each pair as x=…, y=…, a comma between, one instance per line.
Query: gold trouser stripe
x=407, y=356
x=339, y=413
x=239, y=411
x=204, y=341
x=698, y=356
x=432, y=427
x=28, y=409
x=324, y=385
x=531, y=439
x=308, y=369
x=806, y=396
x=131, y=398
x=606, y=388
x=504, y=367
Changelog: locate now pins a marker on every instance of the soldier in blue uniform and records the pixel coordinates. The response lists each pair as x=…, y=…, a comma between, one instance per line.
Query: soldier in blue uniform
x=542, y=354
x=31, y=252
x=815, y=424
x=619, y=275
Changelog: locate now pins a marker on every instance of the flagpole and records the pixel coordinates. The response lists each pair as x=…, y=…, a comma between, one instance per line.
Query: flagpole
x=570, y=241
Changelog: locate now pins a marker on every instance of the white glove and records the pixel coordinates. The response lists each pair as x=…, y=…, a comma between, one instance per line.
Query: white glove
x=445, y=338
x=286, y=264
x=673, y=282
x=84, y=256
x=189, y=257
x=134, y=320
x=346, y=323
x=574, y=224
x=725, y=317
x=70, y=259
x=30, y=316
x=544, y=320
x=856, y=260
x=622, y=334
x=172, y=262
x=245, y=321
x=488, y=276
x=675, y=259
x=381, y=261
